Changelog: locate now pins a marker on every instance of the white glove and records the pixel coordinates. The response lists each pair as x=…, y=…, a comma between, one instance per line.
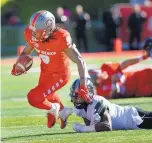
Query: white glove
x=96, y=119
x=78, y=127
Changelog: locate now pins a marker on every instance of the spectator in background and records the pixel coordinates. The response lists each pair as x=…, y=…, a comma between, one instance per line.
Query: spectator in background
x=112, y=20
x=67, y=12
x=81, y=19
x=10, y=17
x=135, y=25
x=14, y=20
x=60, y=18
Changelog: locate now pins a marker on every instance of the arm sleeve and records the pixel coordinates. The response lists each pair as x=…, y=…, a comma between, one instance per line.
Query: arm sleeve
x=66, y=40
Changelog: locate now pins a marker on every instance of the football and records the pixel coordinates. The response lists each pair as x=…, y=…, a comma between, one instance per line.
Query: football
x=24, y=63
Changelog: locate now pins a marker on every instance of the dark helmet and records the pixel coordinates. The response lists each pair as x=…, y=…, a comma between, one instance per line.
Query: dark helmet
x=94, y=74
x=80, y=103
x=148, y=46
x=148, y=42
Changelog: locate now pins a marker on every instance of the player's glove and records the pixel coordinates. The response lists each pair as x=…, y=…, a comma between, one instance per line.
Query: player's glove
x=78, y=127
x=16, y=72
x=96, y=119
x=84, y=93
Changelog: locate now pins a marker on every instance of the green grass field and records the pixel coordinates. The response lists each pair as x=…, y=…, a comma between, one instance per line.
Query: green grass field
x=22, y=123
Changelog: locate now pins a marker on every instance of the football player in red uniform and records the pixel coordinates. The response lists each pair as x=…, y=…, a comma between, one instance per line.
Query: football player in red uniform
x=54, y=47
x=112, y=82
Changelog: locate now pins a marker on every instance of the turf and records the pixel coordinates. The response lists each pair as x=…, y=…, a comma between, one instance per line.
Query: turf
x=22, y=123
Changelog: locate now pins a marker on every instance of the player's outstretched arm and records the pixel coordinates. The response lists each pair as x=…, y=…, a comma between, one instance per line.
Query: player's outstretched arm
x=75, y=56
x=104, y=125
x=133, y=61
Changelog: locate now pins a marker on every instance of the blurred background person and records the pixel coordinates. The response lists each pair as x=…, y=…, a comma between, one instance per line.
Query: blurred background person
x=10, y=16
x=80, y=20
x=67, y=12
x=60, y=18
x=112, y=20
x=135, y=25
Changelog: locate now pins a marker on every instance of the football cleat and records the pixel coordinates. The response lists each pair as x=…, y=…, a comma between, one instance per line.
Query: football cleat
x=63, y=115
x=51, y=120
x=53, y=114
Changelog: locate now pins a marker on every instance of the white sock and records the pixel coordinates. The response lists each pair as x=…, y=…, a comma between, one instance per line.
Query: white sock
x=54, y=107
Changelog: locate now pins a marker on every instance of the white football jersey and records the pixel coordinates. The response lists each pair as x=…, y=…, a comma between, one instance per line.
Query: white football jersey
x=122, y=117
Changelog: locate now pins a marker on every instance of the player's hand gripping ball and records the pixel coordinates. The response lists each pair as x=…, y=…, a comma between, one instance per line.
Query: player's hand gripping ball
x=22, y=65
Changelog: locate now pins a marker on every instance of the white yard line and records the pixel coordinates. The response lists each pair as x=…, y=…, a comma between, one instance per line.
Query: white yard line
x=24, y=126
x=18, y=99
x=33, y=126
x=43, y=115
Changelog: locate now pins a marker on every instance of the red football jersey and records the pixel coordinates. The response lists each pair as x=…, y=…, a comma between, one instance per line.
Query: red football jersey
x=53, y=59
x=111, y=68
x=127, y=79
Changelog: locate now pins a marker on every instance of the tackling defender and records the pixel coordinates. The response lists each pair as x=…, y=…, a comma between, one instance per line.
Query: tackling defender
x=101, y=115
x=54, y=46
x=112, y=82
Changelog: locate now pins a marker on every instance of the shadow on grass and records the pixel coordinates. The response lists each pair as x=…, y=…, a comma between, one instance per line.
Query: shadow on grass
x=36, y=135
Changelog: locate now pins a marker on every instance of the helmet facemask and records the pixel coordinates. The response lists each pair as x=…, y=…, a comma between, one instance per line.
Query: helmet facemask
x=77, y=100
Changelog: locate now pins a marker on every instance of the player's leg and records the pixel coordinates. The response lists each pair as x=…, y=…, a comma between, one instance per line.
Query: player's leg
x=78, y=40
x=138, y=37
x=85, y=41
x=146, y=117
x=131, y=39
x=63, y=113
x=48, y=84
x=43, y=96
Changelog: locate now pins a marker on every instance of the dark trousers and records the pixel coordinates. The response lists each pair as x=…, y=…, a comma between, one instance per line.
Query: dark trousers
x=134, y=35
x=110, y=35
x=146, y=117
x=81, y=37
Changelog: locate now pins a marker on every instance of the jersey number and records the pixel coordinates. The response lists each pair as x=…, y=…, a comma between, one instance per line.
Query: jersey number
x=45, y=58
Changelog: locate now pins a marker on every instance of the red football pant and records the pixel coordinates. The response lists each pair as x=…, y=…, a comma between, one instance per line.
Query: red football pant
x=144, y=83
x=48, y=84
